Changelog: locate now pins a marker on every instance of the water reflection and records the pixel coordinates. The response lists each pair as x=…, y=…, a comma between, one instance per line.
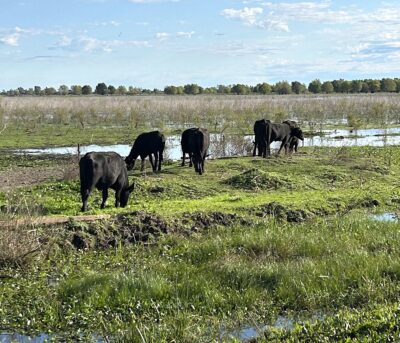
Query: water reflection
x=227, y=145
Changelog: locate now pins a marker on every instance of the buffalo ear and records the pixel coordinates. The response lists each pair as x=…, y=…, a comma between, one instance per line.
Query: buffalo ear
x=131, y=187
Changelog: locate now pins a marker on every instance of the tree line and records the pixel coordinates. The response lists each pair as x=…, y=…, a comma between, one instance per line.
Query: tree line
x=282, y=87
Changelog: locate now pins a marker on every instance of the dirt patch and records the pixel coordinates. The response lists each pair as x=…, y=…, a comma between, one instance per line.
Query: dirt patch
x=129, y=228
x=281, y=212
x=255, y=179
x=200, y=220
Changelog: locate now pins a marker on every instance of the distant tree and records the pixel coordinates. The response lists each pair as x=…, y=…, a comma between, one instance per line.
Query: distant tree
x=21, y=91
x=191, y=89
x=345, y=86
x=374, y=86
x=327, y=87
x=298, y=87
x=364, y=87
x=50, y=91
x=388, y=85
x=210, y=90
x=356, y=86
x=101, y=89
x=397, y=85
x=63, y=90
x=134, y=90
x=170, y=90
x=337, y=85
x=76, y=90
x=315, y=86
x=30, y=91
x=240, y=89
x=111, y=90
x=282, y=87
x=86, y=90
x=37, y=90
x=121, y=90
x=221, y=89
x=263, y=88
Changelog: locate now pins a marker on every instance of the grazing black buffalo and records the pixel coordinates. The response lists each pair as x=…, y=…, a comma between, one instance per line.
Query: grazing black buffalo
x=198, y=142
x=147, y=144
x=283, y=133
x=185, y=145
x=261, y=134
x=104, y=170
x=293, y=143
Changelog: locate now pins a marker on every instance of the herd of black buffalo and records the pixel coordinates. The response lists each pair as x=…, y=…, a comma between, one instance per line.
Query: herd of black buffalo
x=105, y=170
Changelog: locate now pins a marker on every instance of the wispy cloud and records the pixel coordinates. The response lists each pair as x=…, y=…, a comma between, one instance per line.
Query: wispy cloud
x=90, y=44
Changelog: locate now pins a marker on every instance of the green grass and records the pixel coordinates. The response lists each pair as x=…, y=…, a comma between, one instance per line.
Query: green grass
x=194, y=285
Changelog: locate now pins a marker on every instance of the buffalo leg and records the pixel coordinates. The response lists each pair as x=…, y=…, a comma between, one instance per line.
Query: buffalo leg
x=142, y=165
x=151, y=161
x=254, y=149
x=85, y=196
x=183, y=159
x=190, y=160
x=105, y=196
x=160, y=159
x=118, y=197
x=156, y=161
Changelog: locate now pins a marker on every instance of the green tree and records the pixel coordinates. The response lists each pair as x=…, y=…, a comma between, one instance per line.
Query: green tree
x=263, y=88
x=345, y=86
x=337, y=85
x=86, y=90
x=327, y=87
x=298, y=87
x=121, y=90
x=63, y=90
x=282, y=87
x=240, y=89
x=364, y=87
x=37, y=90
x=315, y=86
x=101, y=89
x=192, y=89
x=50, y=91
x=170, y=90
x=111, y=90
x=221, y=89
x=388, y=85
x=356, y=86
x=76, y=90
x=374, y=86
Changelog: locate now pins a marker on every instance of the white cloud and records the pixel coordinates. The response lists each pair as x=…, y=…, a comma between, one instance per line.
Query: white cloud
x=162, y=36
x=151, y=1
x=90, y=44
x=10, y=39
x=185, y=34
x=248, y=15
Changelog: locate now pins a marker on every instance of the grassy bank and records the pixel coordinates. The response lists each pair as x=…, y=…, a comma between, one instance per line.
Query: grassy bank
x=195, y=258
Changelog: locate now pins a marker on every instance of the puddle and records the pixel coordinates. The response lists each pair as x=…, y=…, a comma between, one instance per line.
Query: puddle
x=385, y=217
x=247, y=333
x=40, y=338
x=225, y=145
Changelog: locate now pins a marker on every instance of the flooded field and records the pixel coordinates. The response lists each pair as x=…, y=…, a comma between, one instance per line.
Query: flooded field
x=226, y=145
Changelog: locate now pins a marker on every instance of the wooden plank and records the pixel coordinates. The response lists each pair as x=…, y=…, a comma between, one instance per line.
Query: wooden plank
x=52, y=220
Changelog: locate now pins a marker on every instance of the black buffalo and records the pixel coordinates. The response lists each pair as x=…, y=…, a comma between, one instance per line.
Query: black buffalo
x=261, y=135
x=196, y=142
x=147, y=144
x=103, y=171
x=283, y=133
x=293, y=143
x=185, y=145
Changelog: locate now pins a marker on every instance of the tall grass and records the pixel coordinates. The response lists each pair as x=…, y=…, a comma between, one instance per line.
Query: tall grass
x=219, y=113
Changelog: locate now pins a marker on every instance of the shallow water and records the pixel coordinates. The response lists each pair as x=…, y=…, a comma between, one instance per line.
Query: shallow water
x=385, y=217
x=40, y=338
x=223, y=145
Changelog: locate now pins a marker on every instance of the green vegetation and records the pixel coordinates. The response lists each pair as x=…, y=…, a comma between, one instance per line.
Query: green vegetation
x=195, y=258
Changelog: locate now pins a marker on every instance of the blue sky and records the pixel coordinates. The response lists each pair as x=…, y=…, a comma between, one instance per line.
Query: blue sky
x=154, y=43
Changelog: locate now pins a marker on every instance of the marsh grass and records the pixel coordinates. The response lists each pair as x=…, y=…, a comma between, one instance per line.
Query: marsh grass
x=119, y=119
